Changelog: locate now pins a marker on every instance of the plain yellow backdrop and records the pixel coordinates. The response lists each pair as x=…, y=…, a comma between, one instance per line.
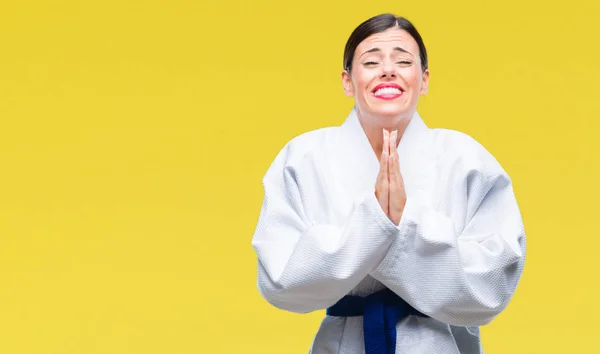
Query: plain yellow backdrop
x=134, y=136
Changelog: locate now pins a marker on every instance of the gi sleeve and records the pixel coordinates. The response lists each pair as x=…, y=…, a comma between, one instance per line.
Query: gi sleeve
x=306, y=265
x=461, y=269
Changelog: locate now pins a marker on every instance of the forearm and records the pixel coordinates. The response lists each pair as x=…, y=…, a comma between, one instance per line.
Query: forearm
x=460, y=277
x=314, y=268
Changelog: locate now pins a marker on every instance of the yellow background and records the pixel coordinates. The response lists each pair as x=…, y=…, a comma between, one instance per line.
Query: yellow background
x=134, y=135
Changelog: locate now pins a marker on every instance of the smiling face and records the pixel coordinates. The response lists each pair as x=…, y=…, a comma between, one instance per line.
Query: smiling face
x=386, y=78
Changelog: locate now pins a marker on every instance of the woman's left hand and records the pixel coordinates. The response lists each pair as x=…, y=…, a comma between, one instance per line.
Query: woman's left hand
x=397, y=198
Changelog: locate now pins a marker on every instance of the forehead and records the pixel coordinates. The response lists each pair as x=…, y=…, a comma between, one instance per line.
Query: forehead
x=388, y=39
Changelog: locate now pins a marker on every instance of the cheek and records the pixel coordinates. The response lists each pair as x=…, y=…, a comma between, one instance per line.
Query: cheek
x=412, y=78
x=362, y=80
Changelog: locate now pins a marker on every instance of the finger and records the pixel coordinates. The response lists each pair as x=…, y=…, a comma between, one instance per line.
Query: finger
x=397, y=166
x=394, y=142
x=385, y=148
x=382, y=160
x=393, y=165
x=385, y=186
x=395, y=190
x=385, y=194
x=385, y=153
x=392, y=175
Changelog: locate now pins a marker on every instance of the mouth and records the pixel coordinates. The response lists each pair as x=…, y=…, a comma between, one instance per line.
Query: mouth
x=387, y=91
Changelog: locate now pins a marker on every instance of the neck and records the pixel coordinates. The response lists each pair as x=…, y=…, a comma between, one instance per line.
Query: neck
x=373, y=127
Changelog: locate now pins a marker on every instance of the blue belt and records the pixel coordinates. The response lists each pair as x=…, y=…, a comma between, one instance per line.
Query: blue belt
x=381, y=312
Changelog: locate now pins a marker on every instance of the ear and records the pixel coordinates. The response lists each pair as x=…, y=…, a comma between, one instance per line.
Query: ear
x=425, y=83
x=347, y=84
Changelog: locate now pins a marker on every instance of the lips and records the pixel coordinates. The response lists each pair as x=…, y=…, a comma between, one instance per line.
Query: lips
x=387, y=91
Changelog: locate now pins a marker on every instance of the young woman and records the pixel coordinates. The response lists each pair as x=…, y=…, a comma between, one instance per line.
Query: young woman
x=410, y=237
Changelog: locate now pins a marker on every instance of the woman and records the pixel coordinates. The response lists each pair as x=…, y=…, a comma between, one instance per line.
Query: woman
x=410, y=237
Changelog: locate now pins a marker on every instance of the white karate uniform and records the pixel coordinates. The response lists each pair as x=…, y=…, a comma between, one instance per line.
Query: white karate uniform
x=456, y=256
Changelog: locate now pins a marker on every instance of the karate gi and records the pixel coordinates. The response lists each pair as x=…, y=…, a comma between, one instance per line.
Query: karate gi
x=456, y=256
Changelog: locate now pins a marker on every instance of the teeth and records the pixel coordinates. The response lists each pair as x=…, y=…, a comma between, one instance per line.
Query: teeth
x=388, y=91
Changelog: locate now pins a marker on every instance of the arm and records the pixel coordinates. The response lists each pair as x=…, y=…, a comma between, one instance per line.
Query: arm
x=304, y=265
x=459, y=275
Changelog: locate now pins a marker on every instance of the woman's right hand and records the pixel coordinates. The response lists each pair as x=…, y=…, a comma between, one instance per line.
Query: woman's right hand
x=382, y=184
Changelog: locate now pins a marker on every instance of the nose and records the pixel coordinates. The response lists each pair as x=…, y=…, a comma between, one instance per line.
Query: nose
x=388, y=70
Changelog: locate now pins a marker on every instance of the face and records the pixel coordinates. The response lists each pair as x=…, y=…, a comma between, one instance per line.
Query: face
x=386, y=79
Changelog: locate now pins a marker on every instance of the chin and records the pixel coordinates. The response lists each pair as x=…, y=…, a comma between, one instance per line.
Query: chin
x=389, y=111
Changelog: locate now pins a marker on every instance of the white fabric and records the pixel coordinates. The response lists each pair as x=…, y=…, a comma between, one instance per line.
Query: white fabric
x=456, y=256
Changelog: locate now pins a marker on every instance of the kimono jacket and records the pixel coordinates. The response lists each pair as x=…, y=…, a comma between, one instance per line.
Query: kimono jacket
x=456, y=256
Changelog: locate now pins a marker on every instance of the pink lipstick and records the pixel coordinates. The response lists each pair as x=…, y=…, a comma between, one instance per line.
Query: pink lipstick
x=387, y=91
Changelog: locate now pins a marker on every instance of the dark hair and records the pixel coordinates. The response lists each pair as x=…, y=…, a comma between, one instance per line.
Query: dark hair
x=379, y=24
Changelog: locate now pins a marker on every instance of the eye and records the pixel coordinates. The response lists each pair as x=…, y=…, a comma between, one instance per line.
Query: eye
x=371, y=63
x=405, y=62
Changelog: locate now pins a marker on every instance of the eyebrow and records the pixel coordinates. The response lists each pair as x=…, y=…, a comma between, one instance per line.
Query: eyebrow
x=397, y=49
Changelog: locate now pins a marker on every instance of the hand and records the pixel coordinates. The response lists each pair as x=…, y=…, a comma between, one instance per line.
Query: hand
x=389, y=187
x=397, y=197
x=382, y=184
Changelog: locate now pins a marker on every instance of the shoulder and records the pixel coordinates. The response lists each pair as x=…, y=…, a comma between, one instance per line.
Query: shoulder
x=462, y=150
x=306, y=145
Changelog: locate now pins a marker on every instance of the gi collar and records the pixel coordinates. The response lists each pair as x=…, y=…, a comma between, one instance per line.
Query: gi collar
x=410, y=141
